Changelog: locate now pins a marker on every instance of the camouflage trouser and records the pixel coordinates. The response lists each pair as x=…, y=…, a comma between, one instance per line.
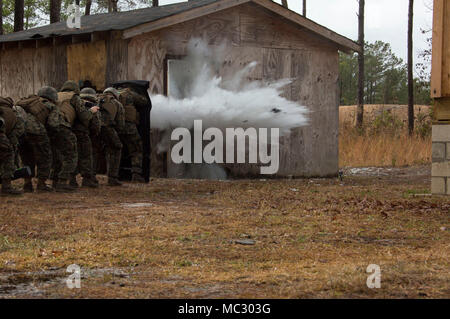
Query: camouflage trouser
x=113, y=150
x=7, y=166
x=35, y=150
x=133, y=142
x=97, y=150
x=84, y=147
x=65, y=155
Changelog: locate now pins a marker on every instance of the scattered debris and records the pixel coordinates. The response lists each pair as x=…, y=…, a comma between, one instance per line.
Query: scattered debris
x=246, y=242
x=136, y=205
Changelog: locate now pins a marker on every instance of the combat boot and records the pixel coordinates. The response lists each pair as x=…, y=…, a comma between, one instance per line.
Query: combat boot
x=112, y=181
x=7, y=188
x=137, y=178
x=28, y=186
x=95, y=180
x=42, y=186
x=73, y=182
x=89, y=182
x=63, y=187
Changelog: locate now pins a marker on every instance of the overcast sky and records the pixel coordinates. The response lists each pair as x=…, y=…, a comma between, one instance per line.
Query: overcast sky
x=386, y=20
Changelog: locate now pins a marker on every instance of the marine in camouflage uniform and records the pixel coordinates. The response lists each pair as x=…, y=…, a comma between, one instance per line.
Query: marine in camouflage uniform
x=81, y=129
x=89, y=97
x=36, y=150
x=113, y=120
x=65, y=159
x=130, y=135
x=11, y=128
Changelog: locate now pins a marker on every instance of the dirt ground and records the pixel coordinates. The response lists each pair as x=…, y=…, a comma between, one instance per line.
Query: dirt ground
x=306, y=238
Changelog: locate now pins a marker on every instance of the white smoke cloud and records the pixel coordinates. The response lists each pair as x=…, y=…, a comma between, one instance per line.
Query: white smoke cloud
x=198, y=93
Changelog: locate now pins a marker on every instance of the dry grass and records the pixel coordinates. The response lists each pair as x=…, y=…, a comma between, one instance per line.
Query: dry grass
x=384, y=141
x=314, y=238
x=382, y=149
x=347, y=113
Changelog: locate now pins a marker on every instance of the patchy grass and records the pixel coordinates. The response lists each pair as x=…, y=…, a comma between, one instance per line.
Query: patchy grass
x=313, y=239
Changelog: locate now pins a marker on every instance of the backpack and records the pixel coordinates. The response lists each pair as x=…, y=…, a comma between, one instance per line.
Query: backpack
x=7, y=102
x=34, y=105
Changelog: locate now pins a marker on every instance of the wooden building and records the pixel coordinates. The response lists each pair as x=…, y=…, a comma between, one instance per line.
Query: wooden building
x=137, y=44
x=440, y=92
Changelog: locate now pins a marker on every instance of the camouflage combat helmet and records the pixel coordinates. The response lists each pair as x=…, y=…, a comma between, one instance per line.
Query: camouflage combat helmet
x=49, y=93
x=89, y=94
x=70, y=86
x=113, y=91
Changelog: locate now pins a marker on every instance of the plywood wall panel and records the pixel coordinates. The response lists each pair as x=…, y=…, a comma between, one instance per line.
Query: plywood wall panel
x=146, y=56
x=43, y=67
x=263, y=28
x=117, y=61
x=17, y=72
x=215, y=29
x=59, y=68
x=87, y=61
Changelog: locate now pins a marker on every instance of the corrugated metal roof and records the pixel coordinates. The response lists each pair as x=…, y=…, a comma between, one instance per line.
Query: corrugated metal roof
x=106, y=21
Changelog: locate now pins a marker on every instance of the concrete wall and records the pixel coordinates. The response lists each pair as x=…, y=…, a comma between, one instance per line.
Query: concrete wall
x=440, y=172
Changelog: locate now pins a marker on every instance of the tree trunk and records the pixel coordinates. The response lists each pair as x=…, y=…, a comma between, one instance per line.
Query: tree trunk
x=410, y=69
x=112, y=6
x=304, y=8
x=1, y=17
x=55, y=11
x=87, y=11
x=18, y=15
x=284, y=3
x=360, y=110
x=155, y=3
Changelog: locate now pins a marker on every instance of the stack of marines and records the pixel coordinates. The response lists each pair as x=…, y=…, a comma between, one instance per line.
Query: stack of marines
x=60, y=135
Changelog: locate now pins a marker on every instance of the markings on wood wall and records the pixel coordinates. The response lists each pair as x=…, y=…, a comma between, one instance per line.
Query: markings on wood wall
x=117, y=61
x=17, y=72
x=60, y=74
x=146, y=61
x=215, y=29
x=87, y=61
x=265, y=29
x=43, y=67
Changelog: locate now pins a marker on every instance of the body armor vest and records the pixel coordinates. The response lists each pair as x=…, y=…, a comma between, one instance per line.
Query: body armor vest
x=131, y=114
x=10, y=119
x=65, y=107
x=35, y=106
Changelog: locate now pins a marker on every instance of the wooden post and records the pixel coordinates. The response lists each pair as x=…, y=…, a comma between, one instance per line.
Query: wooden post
x=440, y=92
x=410, y=69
